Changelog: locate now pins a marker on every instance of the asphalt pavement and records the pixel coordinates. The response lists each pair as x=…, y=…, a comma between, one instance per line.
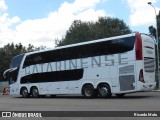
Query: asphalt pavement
x=137, y=103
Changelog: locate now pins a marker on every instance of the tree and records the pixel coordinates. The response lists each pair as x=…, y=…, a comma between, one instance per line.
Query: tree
x=9, y=51
x=152, y=30
x=85, y=31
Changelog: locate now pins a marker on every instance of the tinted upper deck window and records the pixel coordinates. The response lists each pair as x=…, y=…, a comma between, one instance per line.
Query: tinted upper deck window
x=82, y=51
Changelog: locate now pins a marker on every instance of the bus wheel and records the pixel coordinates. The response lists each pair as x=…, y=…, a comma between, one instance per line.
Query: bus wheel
x=35, y=92
x=25, y=93
x=88, y=91
x=120, y=95
x=104, y=91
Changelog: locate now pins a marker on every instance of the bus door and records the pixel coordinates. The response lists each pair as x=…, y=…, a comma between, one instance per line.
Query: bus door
x=11, y=75
x=64, y=87
x=73, y=87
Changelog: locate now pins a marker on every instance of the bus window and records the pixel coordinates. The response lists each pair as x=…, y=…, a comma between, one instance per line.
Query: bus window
x=16, y=61
x=11, y=74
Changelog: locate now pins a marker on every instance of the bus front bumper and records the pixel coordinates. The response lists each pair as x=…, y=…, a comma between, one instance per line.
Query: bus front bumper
x=149, y=86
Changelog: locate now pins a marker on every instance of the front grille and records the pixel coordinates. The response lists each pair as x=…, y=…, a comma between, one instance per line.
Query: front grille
x=149, y=65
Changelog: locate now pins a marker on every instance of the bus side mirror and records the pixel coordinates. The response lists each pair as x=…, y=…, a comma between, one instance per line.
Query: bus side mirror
x=6, y=73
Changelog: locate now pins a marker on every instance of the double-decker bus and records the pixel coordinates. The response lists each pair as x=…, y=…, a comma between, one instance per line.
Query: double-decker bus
x=117, y=65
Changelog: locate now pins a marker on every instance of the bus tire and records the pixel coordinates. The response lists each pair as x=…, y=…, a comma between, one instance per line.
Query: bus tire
x=24, y=93
x=120, y=95
x=88, y=91
x=35, y=92
x=104, y=91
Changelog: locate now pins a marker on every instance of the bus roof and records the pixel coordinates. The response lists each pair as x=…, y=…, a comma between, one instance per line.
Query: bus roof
x=84, y=43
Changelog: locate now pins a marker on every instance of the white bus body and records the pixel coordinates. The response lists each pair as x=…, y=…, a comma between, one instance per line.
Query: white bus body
x=116, y=65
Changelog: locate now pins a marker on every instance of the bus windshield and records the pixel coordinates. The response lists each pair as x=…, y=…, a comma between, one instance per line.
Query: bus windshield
x=16, y=61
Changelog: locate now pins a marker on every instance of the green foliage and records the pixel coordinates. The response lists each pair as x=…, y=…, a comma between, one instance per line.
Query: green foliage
x=152, y=30
x=6, y=54
x=85, y=31
x=9, y=51
x=158, y=23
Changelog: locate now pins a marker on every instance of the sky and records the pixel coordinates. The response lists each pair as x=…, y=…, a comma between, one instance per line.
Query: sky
x=40, y=22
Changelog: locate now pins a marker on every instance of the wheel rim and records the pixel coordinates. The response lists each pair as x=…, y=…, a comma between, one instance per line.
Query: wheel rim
x=35, y=93
x=104, y=91
x=88, y=91
x=24, y=93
